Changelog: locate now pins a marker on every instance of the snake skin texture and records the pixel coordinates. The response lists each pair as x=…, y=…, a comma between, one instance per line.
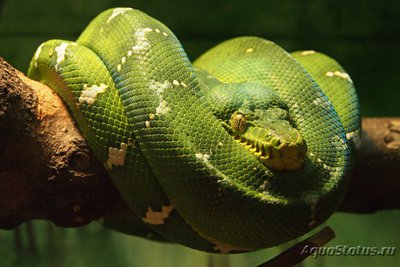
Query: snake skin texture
x=246, y=148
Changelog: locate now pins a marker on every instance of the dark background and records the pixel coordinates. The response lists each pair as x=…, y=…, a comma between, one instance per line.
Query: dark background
x=363, y=35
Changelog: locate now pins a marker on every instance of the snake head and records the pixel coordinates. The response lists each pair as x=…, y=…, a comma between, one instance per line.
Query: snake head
x=269, y=136
x=257, y=118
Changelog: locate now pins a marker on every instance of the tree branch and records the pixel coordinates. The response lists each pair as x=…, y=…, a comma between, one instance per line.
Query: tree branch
x=47, y=170
x=300, y=251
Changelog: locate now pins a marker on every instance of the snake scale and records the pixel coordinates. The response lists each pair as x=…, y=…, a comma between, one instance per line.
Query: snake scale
x=246, y=148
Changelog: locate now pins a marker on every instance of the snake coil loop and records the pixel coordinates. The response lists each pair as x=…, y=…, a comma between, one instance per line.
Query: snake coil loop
x=161, y=127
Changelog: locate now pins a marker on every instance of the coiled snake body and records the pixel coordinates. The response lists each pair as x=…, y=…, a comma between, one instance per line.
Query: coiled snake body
x=241, y=150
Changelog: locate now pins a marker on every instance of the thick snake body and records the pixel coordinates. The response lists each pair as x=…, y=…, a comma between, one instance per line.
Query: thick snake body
x=175, y=137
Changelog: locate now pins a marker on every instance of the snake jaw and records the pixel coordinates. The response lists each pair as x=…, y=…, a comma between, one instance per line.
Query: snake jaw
x=275, y=148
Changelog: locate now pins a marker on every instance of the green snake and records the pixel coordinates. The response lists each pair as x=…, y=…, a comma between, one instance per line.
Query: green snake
x=246, y=148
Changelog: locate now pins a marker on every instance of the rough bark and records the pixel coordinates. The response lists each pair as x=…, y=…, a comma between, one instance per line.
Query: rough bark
x=47, y=170
x=375, y=181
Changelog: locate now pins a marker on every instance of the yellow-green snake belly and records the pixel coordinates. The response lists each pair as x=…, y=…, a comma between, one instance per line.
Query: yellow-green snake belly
x=246, y=148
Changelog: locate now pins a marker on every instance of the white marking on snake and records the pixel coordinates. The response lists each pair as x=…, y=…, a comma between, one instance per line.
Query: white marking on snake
x=338, y=141
x=157, y=217
x=129, y=53
x=162, y=108
x=183, y=84
x=117, y=156
x=147, y=123
x=123, y=60
x=329, y=74
x=116, y=12
x=141, y=40
x=157, y=30
x=343, y=75
x=264, y=184
x=307, y=52
x=249, y=50
x=354, y=136
x=165, y=34
x=37, y=54
x=320, y=101
x=175, y=82
x=339, y=74
x=204, y=157
x=324, y=165
x=61, y=51
x=89, y=93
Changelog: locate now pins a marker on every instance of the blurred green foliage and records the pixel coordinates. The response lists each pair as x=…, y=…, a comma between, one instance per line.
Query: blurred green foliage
x=363, y=35
x=40, y=244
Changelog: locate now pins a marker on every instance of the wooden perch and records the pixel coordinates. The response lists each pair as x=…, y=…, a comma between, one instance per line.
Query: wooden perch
x=47, y=170
x=299, y=252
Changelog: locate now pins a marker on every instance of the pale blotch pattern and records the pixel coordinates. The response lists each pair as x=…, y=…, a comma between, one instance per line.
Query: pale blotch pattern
x=141, y=40
x=162, y=108
x=141, y=46
x=205, y=158
x=339, y=74
x=338, y=141
x=61, y=51
x=157, y=217
x=37, y=54
x=249, y=50
x=118, y=11
x=354, y=137
x=323, y=164
x=89, y=93
x=147, y=124
x=116, y=156
x=320, y=101
x=307, y=52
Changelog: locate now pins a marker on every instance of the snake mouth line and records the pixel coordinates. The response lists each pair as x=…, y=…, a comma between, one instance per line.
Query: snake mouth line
x=275, y=154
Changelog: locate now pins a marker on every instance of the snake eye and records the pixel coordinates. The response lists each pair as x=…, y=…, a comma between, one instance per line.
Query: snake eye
x=238, y=122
